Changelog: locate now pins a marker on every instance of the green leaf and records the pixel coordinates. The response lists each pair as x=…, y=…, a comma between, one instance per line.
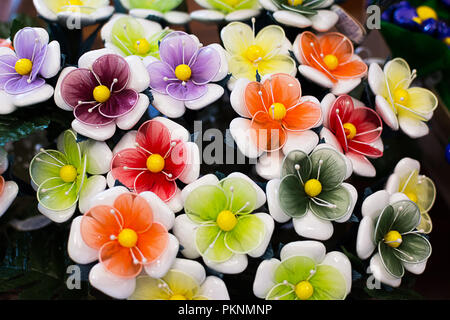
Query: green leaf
x=209, y=241
x=384, y=223
x=293, y=158
x=339, y=197
x=247, y=235
x=240, y=193
x=413, y=249
x=281, y=292
x=294, y=269
x=332, y=170
x=293, y=199
x=406, y=219
x=205, y=203
x=328, y=284
x=392, y=264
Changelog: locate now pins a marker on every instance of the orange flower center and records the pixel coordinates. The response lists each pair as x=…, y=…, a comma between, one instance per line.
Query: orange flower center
x=350, y=130
x=331, y=61
x=127, y=238
x=277, y=111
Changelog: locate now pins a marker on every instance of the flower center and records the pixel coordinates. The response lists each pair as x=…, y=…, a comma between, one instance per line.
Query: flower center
x=313, y=187
x=232, y=3
x=127, y=238
x=155, y=163
x=142, y=46
x=23, y=66
x=331, y=61
x=304, y=290
x=295, y=2
x=350, y=130
x=278, y=111
x=411, y=196
x=71, y=5
x=68, y=173
x=254, y=53
x=393, y=239
x=178, y=297
x=226, y=220
x=401, y=96
x=183, y=72
x=101, y=93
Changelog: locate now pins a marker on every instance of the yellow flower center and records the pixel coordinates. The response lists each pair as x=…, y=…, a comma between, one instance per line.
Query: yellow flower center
x=401, y=96
x=295, y=2
x=393, y=239
x=183, y=72
x=447, y=41
x=226, y=220
x=304, y=290
x=101, y=93
x=23, y=66
x=425, y=12
x=313, y=187
x=142, y=46
x=254, y=53
x=68, y=173
x=178, y=297
x=417, y=20
x=232, y=3
x=71, y=5
x=331, y=61
x=350, y=130
x=127, y=238
x=278, y=111
x=411, y=196
x=155, y=163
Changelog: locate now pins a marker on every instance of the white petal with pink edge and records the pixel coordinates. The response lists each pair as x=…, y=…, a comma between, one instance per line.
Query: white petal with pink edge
x=159, y=267
x=361, y=166
x=77, y=249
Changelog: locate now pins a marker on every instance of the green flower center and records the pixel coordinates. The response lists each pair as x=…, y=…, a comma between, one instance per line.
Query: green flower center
x=68, y=173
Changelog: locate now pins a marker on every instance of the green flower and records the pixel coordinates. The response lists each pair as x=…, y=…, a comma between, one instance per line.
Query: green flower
x=314, y=183
x=158, y=5
x=225, y=225
x=305, y=7
x=227, y=6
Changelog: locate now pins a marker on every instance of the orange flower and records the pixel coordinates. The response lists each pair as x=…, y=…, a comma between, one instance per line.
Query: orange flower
x=331, y=54
x=276, y=106
x=124, y=234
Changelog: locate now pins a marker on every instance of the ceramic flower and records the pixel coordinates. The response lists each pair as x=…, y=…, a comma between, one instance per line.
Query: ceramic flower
x=274, y=119
x=128, y=234
x=388, y=226
x=74, y=13
x=302, y=13
x=8, y=189
x=156, y=9
x=305, y=272
x=186, y=280
x=103, y=92
x=154, y=158
x=61, y=176
x=354, y=130
x=266, y=52
x=311, y=191
x=6, y=43
x=329, y=61
x=133, y=36
x=418, y=188
x=183, y=78
x=228, y=10
x=399, y=104
x=219, y=225
x=23, y=71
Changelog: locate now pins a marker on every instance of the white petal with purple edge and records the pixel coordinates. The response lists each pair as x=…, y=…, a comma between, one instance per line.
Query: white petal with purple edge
x=116, y=287
x=416, y=268
x=57, y=216
x=260, y=194
x=315, y=75
x=269, y=165
x=324, y=20
x=393, y=183
x=8, y=195
x=240, y=130
x=161, y=211
x=406, y=165
x=191, y=267
x=177, y=17
x=127, y=141
x=309, y=226
x=159, y=267
x=354, y=197
x=77, y=249
x=236, y=264
x=264, y=278
x=345, y=86
x=214, y=288
x=139, y=79
x=223, y=70
x=99, y=133
x=92, y=186
x=380, y=273
x=273, y=201
x=107, y=197
x=192, y=169
x=209, y=179
x=207, y=15
x=127, y=121
x=52, y=62
x=340, y=261
x=184, y=229
x=167, y=105
x=292, y=19
x=237, y=99
x=35, y=96
x=269, y=226
x=384, y=109
x=214, y=92
x=414, y=128
x=374, y=204
x=243, y=14
x=361, y=165
x=305, y=141
x=57, y=96
x=364, y=240
x=311, y=249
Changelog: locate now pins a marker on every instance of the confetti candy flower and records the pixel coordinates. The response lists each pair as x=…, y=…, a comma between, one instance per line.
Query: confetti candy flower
x=156, y=10
x=305, y=272
x=24, y=70
x=219, y=224
x=418, y=188
x=8, y=189
x=228, y=10
x=353, y=130
x=388, y=226
x=186, y=280
x=182, y=79
x=6, y=43
x=60, y=177
x=128, y=234
x=311, y=191
x=329, y=61
x=399, y=104
x=103, y=92
x=274, y=116
x=302, y=13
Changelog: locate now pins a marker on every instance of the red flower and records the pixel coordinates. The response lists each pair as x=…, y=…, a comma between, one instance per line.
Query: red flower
x=155, y=163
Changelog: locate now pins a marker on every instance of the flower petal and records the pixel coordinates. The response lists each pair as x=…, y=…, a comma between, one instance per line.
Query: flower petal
x=254, y=101
x=176, y=161
x=328, y=284
x=209, y=241
x=119, y=260
x=152, y=242
x=109, y=67
x=421, y=100
x=188, y=91
x=268, y=134
x=159, y=71
x=7, y=68
x=241, y=67
x=156, y=183
x=148, y=288
x=365, y=119
x=336, y=44
x=237, y=37
x=279, y=63
x=129, y=158
x=78, y=85
x=19, y=84
x=154, y=137
x=135, y=211
x=205, y=66
x=294, y=269
x=283, y=88
x=350, y=69
x=46, y=165
x=292, y=197
x=304, y=116
x=398, y=74
x=177, y=48
x=205, y=203
x=247, y=235
x=270, y=39
x=72, y=149
x=57, y=195
x=333, y=168
x=241, y=194
x=339, y=197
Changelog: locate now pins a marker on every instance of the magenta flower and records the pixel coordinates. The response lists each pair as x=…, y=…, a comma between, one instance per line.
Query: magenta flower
x=185, y=68
x=100, y=94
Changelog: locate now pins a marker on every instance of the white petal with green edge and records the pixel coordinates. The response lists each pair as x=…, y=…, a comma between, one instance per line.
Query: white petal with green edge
x=97, y=133
x=354, y=197
x=46, y=165
x=315, y=75
x=307, y=248
x=92, y=186
x=342, y=263
x=379, y=272
x=214, y=288
x=260, y=194
x=361, y=165
x=207, y=15
x=414, y=128
x=8, y=195
x=209, y=179
x=393, y=183
x=184, y=229
x=264, y=278
x=324, y=20
x=384, y=109
x=364, y=240
x=57, y=216
x=113, y=286
x=305, y=141
x=236, y=264
x=376, y=79
x=269, y=165
x=161, y=211
x=191, y=267
x=167, y=105
x=77, y=249
x=241, y=132
x=374, y=204
x=273, y=202
x=348, y=163
x=159, y=267
x=269, y=225
x=292, y=19
x=309, y=226
x=127, y=121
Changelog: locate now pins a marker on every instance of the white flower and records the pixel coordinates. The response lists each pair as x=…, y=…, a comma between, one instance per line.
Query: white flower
x=159, y=9
x=8, y=189
x=226, y=10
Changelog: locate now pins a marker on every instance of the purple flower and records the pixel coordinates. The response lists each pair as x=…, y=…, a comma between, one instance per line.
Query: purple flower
x=21, y=73
x=184, y=69
x=100, y=95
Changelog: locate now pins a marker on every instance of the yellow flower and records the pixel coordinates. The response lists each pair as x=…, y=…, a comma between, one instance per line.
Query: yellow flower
x=266, y=52
x=397, y=102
